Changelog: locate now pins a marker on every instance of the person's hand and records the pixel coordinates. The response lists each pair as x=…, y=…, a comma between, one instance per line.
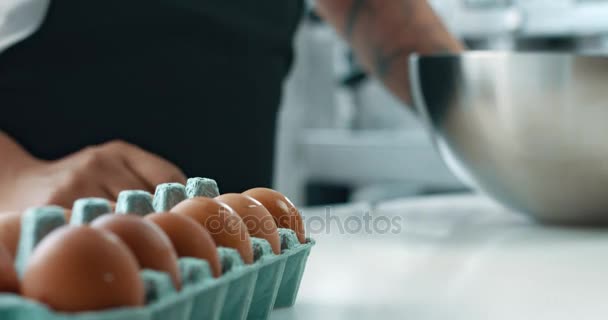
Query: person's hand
x=98, y=171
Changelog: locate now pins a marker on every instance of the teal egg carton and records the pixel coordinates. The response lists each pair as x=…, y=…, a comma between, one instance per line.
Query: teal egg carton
x=243, y=292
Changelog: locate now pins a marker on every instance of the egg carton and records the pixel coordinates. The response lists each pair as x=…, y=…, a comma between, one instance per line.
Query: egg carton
x=243, y=292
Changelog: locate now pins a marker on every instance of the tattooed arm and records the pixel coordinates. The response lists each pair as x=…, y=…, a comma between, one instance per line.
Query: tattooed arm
x=383, y=33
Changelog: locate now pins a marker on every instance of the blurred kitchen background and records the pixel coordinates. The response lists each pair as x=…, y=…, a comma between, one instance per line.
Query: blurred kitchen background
x=342, y=137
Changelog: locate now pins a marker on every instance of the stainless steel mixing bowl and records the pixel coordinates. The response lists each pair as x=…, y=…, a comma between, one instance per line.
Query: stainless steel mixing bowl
x=528, y=129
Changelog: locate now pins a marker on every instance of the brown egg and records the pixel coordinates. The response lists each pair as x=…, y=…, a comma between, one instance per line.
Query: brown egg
x=224, y=225
x=10, y=230
x=189, y=238
x=78, y=268
x=150, y=245
x=258, y=220
x=284, y=212
x=8, y=275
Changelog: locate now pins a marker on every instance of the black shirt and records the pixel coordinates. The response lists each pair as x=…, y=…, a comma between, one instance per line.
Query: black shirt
x=195, y=81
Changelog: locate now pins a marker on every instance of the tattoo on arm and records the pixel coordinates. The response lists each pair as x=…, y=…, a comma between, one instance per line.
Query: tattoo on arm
x=441, y=49
x=383, y=61
x=353, y=16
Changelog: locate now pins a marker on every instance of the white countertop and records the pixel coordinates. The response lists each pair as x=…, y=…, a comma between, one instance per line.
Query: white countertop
x=457, y=257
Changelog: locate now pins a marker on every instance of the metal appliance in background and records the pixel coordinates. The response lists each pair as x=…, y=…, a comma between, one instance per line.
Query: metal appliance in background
x=547, y=25
x=338, y=127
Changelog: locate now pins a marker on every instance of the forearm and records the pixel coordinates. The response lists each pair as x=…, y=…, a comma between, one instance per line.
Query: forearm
x=383, y=33
x=12, y=157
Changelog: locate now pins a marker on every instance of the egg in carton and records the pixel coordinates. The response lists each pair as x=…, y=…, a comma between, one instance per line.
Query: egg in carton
x=243, y=291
